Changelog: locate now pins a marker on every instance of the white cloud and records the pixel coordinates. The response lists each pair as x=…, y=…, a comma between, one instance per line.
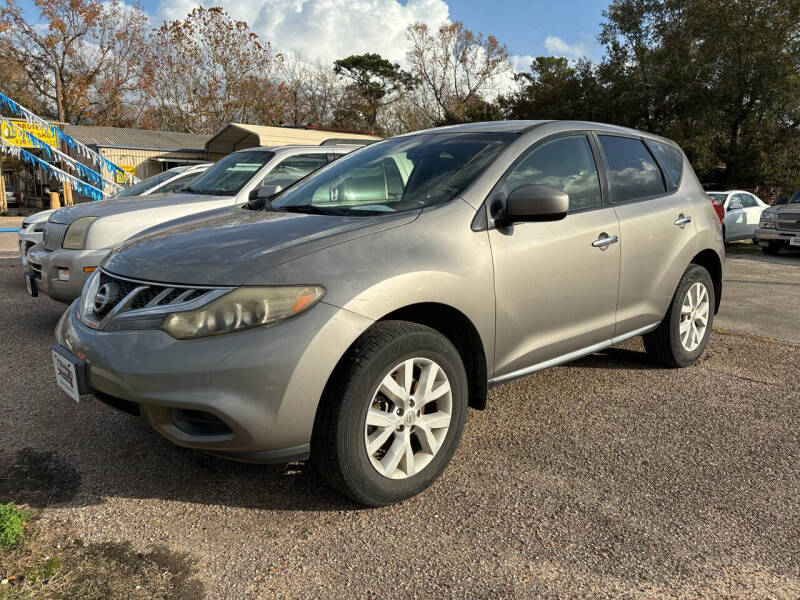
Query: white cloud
x=326, y=29
x=520, y=63
x=558, y=47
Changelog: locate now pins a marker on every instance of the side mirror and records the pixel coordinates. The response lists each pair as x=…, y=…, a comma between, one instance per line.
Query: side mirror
x=269, y=190
x=535, y=203
x=735, y=205
x=258, y=198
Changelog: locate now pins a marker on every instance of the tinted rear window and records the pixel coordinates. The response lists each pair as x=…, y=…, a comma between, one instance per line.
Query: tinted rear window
x=671, y=158
x=633, y=172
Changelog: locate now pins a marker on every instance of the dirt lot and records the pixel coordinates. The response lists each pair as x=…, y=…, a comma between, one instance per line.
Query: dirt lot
x=604, y=478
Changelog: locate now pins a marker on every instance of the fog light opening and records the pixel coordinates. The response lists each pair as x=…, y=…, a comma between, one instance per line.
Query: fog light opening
x=198, y=422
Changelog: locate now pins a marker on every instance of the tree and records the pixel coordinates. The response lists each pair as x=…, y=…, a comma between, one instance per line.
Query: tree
x=457, y=69
x=375, y=83
x=208, y=70
x=85, y=58
x=556, y=89
x=719, y=75
x=313, y=93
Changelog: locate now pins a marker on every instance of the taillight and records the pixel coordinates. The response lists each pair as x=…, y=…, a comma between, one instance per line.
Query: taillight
x=719, y=208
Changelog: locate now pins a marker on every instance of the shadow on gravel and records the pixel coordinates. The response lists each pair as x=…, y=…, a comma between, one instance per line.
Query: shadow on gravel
x=39, y=479
x=615, y=358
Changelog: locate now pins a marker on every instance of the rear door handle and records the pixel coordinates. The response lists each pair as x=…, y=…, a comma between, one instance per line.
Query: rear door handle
x=604, y=241
x=683, y=221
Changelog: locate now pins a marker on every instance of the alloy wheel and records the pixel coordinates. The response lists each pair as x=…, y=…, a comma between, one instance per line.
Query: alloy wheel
x=408, y=418
x=694, y=316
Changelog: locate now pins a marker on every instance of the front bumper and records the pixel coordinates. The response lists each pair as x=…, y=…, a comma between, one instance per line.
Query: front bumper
x=27, y=239
x=45, y=265
x=263, y=384
x=764, y=236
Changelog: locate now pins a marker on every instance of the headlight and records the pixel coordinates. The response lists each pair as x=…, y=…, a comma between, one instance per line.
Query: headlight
x=39, y=226
x=76, y=234
x=768, y=220
x=87, y=295
x=242, y=308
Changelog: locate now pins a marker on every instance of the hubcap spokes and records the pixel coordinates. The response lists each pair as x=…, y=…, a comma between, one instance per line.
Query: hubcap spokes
x=694, y=316
x=408, y=418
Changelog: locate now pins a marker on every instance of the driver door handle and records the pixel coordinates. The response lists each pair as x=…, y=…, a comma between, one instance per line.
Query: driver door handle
x=683, y=221
x=604, y=241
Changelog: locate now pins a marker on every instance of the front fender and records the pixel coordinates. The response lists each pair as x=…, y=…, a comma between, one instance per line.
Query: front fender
x=435, y=259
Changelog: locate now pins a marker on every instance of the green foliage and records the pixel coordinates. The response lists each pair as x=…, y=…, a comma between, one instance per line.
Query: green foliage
x=11, y=524
x=374, y=83
x=720, y=77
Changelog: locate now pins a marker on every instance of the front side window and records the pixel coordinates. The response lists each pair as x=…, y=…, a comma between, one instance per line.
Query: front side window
x=566, y=164
x=293, y=168
x=748, y=201
x=230, y=174
x=671, y=158
x=399, y=174
x=178, y=183
x=632, y=171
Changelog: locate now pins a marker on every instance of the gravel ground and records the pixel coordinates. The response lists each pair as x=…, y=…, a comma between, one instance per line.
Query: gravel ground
x=604, y=478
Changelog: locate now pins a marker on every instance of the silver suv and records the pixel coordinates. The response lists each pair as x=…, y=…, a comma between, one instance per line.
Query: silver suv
x=356, y=316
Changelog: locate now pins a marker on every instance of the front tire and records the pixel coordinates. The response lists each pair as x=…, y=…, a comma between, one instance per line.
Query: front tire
x=683, y=334
x=771, y=248
x=392, y=415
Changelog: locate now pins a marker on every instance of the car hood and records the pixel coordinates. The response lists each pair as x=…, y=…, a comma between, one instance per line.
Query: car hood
x=39, y=216
x=116, y=206
x=784, y=208
x=230, y=247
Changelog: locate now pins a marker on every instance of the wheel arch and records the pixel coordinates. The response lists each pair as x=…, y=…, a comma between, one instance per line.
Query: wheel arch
x=462, y=333
x=456, y=327
x=712, y=263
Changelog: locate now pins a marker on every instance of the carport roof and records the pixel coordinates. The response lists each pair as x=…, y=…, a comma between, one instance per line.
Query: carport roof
x=142, y=139
x=237, y=136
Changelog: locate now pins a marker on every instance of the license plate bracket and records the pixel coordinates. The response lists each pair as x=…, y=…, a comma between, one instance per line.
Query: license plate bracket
x=71, y=372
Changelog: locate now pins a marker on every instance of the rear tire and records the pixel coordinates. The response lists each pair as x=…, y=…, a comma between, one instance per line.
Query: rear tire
x=683, y=334
x=772, y=249
x=383, y=376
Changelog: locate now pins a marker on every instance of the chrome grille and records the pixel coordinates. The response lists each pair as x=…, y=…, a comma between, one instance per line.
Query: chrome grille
x=54, y=234
x=115, y=302
x=789, y=221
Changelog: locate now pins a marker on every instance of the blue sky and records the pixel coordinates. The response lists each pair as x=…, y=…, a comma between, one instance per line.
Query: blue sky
x=525, y=25
x=329, y=29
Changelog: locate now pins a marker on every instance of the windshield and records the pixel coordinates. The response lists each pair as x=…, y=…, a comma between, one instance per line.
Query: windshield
x=795, y=199
x=140, y=188
x=230, y=174
x=399, y=174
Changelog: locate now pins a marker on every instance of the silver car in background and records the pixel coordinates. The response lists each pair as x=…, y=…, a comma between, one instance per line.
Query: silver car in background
x=357, y=316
